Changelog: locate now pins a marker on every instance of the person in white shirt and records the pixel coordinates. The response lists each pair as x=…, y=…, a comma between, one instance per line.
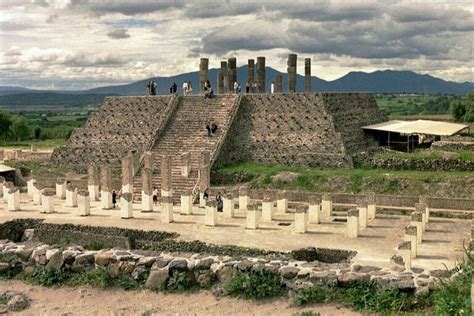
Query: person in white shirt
x=272, y=87
x=185, y=88
x=236, y=87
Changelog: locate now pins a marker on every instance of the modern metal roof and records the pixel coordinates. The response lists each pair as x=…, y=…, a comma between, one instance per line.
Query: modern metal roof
x=418, y=127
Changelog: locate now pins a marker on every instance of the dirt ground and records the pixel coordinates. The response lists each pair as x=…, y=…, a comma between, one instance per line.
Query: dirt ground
x=89, y=301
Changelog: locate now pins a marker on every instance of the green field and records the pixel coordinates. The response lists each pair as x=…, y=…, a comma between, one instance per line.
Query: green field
x=397, y=104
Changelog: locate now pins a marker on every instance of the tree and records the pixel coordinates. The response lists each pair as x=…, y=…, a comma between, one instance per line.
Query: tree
x=37, y=132
x=463, y=109
x=5, y=123
x=20, y=129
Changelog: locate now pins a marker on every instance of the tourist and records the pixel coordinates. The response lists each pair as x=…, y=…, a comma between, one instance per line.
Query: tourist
x=213, y=128
x=153, y=88
x=254, y=87
x=236, y=87
x=148, y=88
x=114, y=198
x=175, y=88
x=185, y=88
x=208, y=92
x=219, y=203
x=239, y=88
x=205, y=195
x=272, y=87
x=208, y=127
x=155, y=195
x=171, y=89
x=190, y=87
x=247, y=87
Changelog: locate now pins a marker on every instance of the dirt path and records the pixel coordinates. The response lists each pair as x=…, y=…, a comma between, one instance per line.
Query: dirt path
x=89, y=301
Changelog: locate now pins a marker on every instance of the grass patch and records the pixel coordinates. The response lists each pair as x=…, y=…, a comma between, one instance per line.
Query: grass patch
x=29, y=167
x=97, y=245
x=45, y=276
x=47, y=144
x=256, y=284
x=180, y=281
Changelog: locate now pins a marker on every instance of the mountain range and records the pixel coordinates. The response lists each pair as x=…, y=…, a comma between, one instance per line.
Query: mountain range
x=385, y=81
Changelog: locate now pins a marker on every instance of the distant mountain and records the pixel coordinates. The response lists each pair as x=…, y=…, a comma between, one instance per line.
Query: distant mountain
x=386, y=81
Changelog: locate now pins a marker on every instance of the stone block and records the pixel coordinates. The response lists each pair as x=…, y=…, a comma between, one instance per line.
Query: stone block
x=127, y=174
x=6, y=187
x=371, y=206
x=416, y=219
x=30, y=187
x=282, y=202
x=126, y=205
x=37, y=193
x=61, y=189
x=93, y=192
x=267, y=209
x=362, y=207
x=13, y=199
x=84, y=203
x=47, y=201
x=301, y=219
x=228, y=205
x=404, y=251
x=411, y=236
x=326, y=207
x=253, y=216
x=211, y=214
x=244, y=199
x=166, y=209
x=186, y=207
x=71, y=196
x=421, y=208
x=353, y=223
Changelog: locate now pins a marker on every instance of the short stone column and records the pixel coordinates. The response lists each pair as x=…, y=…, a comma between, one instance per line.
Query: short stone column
x=228, y=205
x=147, y=190
x=126, y=205
x=211, y=214
x=416, y=220
x=30, y=187
x=127, y=174
x=92, y=183
x=267, y=209
x=47, y=201
x=253, y=216
x=37, y=193
x=425, y=200
x=421, y=208
x=61, y=189
x=362, y=207
x=282, y=202
x=314, y=210
x=166, y=209
x=14, y=199
x=6, y=187
x=301, y=219
x=71, y=195
x=185, y=164
x=84, y=203
x=244, y=199
x=353, y=223
x=371, y=206
x=186, y=207
x=106, y=188
x=326, y=207
x=410, y=235
x=166, y=185
x=404, y=251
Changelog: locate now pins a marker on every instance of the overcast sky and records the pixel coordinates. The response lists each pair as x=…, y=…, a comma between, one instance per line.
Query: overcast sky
x=78, y=44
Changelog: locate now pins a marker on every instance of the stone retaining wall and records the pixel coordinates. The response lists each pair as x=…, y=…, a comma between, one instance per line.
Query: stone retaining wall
x=451, y=145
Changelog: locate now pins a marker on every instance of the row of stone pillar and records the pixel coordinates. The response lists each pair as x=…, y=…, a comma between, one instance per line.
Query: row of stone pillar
x=227, y=75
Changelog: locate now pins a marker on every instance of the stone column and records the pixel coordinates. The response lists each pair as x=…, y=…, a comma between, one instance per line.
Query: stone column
x=301, y=219
x=127, y=174
x=186, y=203
x=106, y=188
x=416, y=220
x=185, y=164
x=61, y=189
x=253, y=216
x=166, y=186
x=307, y=74
x=282, y=202
x=166, y=209
x=203, y=69
x=404, y=251
x=228, y=205
x=14, y=199
x=326, y=207
x=261, y=74
x=47, y=201
x=232, y=62
x=267, y=209
x=362, y=207
x=30, y=187
x=314, y=209
x=71, y=195
x=244, y=199
x=371, y=207
x=223, y=79
x=353, y=223
x=37, y=193
x=251, y=73
x=6, y=187
x=211, y=214
x=410, y=236
x=421, y=208
x=424, y=200
x=84, y=203
x=92, y=183
x=147, y=190
x=148, y=160
x=279, y=83
x=292, y=72
x=126, y=205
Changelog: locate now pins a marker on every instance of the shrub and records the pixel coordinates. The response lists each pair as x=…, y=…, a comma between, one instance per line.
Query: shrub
x=315, y=294
x=256, y=284
x=99, y=278
x=180, y=281
x=46, y=276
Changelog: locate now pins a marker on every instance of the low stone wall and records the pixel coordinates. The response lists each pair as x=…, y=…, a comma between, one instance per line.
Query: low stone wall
x=452, y=145
x=155, y=269
x=366, y=160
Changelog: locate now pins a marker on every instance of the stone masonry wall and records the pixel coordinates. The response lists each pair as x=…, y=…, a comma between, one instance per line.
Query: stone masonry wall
x=122, y=124
x=301, y=129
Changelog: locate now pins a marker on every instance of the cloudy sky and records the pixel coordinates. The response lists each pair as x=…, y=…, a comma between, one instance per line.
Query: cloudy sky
x=79, y=44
